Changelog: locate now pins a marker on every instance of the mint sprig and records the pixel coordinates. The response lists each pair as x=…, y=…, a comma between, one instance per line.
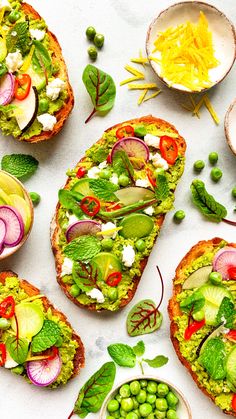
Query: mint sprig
x=19, y=165
x=83, y=248
x=47, y=337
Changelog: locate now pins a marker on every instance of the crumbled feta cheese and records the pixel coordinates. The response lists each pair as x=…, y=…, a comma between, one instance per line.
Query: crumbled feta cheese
x=14, y=61
x=37, y=34
x=144, y=183
x=109, y=226
x=54, y=88
x=152, y=140
x=158, y=161
x=5, y=4
x=10, y=363
x=114, y=179
x=128, y=255
x=96, y=295
x=48, y=121
x=93, y=173
x=103, y=165
x=149, y=211
x=66, y=268
x=72, y=219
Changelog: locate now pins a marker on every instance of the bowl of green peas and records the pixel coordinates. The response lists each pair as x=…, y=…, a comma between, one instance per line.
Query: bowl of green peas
x=145, y=397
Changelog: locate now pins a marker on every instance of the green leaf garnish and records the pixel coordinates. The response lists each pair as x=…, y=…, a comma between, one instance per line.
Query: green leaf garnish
x=226, y=313
x=193, y=303
x=86, y=275
x=19, y=165
x=212, y=358
x=17, y=348
x=139, y=348
x=122, y=354
x=122, y=165
x=18, y=38
x=206, y=203
x=162, y=189
x=41, y=60
x=143, y=318
x=47, y=337
x=157, y=362
x=103, y=189
x=83, y=248
x=67, y=200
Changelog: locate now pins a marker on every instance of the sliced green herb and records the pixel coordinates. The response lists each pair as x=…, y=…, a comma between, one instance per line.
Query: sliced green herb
x=19, y=165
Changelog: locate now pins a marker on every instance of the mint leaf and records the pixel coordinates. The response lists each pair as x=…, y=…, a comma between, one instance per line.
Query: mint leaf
x=122, y=165
x=19, y=165
x=122, y=354
x=157, y=362
x=68, y=200
x=103, y=189
x=83, y=248
x=18, y=38
x=162, y=189
x=226, y=313
x=86, y=275
x=213, y=357
x=17, y=348
x=47, y=336
x=139, y=348
x=206, y=203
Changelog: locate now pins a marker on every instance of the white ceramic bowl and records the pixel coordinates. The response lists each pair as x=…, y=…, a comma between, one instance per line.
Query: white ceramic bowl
x=230, y=126
x=183, y=409
x=8, y=251
x=224, y=37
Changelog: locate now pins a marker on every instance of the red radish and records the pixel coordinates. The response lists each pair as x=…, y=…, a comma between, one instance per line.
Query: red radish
x=14, y=225
x=134, y=147
x=224, y=261
x=45, y=372
x=7, y=87
x=3, y=231
x=82, y=228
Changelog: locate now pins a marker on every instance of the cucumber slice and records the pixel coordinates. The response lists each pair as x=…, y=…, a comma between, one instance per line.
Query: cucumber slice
x=213, y=295
x=136, y=226
x=38, y=79
x=231, y=367
x=30, y=319
x=82, y=186
x=197, y=278
x=107, y=263
x=128, y=196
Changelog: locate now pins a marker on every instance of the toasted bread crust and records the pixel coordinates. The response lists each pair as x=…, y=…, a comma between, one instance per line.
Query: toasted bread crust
x=31, y=290
x=66, y=109
x=174, y=309
x=55, y=227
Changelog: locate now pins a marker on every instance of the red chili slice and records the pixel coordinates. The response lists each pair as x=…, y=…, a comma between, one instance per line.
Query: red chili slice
x=54, y=353
x=232, y=272
x=22, y=86
x=234, y=402
x=3, y=354
x=193, y=328
x=151, y=177
x=112, y=206
x=231, y=335
x=109, y=159
x=7, y=307
x=81, y=172
x=90, y=205
x=126, y=131
x=114, y=279
x=169, y=149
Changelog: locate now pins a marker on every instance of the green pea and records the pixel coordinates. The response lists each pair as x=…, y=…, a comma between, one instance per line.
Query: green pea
x=59, y=342
x=116, y=414
x=162, y=389
x=158, y=171
x=35, y=198
x=141, y=397
x=140, y=131
x=123, y=180
x=215, y=278
x=179, y=216
x=233, y=192
x=199, y=165
x=161, y=404
x=92, y=52
x=105, y=174
x=137, y=412
x=123, y=413
x=125, y=390
x=14, y=16
x=127, y=404
x=112, y=294
x=118, y=398
x=134, y=387
x=99, y=40
x=136, y=404
x=113, y=405
x=213, y=157
x=199, y=315
x=143, y=383
x=3, y=69
x=151, y=416
x=90, y=33
x=18, y=370
x=171, y=414
x=74, y=291
x=4, y=323
x=152, y=387
x=43, y=105
x=145, y=409
x=151, y=398
x=172, y=399
x=160, y=415
x=109, y=417
x=216, y=174
x=132, y=415
x=107, y=243
x=140, y=245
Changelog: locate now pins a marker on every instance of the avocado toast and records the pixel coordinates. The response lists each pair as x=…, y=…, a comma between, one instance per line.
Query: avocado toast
x=111, y=210
x=36, y=97
x=203, y=322
x=36, y=340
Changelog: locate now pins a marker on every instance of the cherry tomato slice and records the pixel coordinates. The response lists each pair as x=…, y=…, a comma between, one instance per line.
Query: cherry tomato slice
x=169, y=149
x=81, y=172
x=7, y=307
x=151, y=178
x=232, y=272
x=22, y=86
x=193, y=328
x=114, y=279
x=231, y=335
x=3, y=354
x=126, y=131
x=90, y=205
x=234, y=402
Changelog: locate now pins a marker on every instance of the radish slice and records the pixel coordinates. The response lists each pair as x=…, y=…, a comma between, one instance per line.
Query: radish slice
x=14, y=225
x=7, y=88
x=45, y=372
x=223, y=260
x=82, y=228
x=3, y=231
x=134, y=147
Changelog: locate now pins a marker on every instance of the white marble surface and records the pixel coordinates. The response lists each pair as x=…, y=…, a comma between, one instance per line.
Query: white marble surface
x=124, y=24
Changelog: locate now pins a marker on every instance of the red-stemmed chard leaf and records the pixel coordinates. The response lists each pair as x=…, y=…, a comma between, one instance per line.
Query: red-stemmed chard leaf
x=86, y=275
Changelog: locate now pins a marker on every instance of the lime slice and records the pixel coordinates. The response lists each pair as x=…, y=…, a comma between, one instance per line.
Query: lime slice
x=82, y=186
x=213, y=295
x=30, y=319
x=107, y=263
x=231, y=366
x=9, y=185
x=38, y=79
x=136, y=226
x=4, y=198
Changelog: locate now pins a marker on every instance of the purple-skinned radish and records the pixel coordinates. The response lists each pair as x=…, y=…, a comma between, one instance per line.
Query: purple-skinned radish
x=7, y=88
x=3, y=231
x=133, y=147
x=14, y=225
x=82, y=228
x=45, y=372
x=224, y=260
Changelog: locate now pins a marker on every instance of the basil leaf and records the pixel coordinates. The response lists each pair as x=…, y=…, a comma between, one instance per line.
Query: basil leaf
x=103, y=189
x=95, y=390
x=139, y=349
x=193, y=303
x=122, y=165
x=162, y=189
x=19, y=165
x=213, y=357
x=86, y=276
x=17, y=348
x=41, y=60
x=122, y=354
x=101, y=88
x=143, y=318
x=68, y=201
x=226, y=313
x=18, y=38
x=47, y=336
x=206, y=203
x=157, y=362
x=83, y=248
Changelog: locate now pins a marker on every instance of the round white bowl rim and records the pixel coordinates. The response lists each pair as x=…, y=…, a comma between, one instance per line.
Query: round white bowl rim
x=226, y=126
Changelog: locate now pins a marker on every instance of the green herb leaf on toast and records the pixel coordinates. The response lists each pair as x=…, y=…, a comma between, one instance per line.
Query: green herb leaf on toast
x=213, y=357
x=157, y=362
x=122, y=165
x=83, y=248
x=193, y=303
x=139, y=348
x=122, y=354
x=162, y=189
x=41, y=60
x=226, y=313
x=206, y=203
x=18, y=38
x=47, y=336
x=103, y=189
x=68, y=201
x=143, y=318
x=17, y=348
x=19, y=165
x=86, y=275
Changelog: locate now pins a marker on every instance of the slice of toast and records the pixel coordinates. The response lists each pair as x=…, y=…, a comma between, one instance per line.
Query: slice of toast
x=31, y=291
x=200, y=249
x=56, y=229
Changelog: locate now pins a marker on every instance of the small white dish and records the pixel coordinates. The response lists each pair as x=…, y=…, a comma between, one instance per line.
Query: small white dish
x=223, y=31
x=183, y=409
x=230, y=126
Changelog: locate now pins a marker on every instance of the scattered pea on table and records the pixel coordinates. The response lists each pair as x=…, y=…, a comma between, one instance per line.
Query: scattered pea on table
x=179, y=216
x=199, y=165
x=216, y=174
x=213, y=157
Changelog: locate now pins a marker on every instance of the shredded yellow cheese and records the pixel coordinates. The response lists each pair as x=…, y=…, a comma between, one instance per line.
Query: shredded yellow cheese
x=141, y=60
x=211, y=109
x=134, y=71
x=186, y=54
x=152, y=96
x=142, y=96
x=108, y=232
x=135, y=78
x=204, y=100
x=28, y=59
x=141, y=86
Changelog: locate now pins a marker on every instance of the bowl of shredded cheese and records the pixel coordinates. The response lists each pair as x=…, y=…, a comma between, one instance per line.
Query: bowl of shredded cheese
x=191, y=46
